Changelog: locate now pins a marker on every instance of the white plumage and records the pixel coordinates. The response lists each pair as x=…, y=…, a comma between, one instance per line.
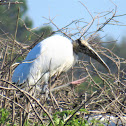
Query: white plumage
x=49, y=57
x=52, y=56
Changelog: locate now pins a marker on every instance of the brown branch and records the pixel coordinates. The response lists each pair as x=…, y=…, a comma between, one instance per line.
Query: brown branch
x=26, y=93
x=70, y=117
x=8, y=3
x=14, y=102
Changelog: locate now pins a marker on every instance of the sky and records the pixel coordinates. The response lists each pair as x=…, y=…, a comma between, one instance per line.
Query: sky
x=64, y=12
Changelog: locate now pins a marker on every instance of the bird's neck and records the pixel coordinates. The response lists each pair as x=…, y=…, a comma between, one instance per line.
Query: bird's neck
x=75, y=58
x=75, y=47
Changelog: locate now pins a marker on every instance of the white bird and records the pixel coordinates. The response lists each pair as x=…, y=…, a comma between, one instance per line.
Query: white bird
x=52, y=56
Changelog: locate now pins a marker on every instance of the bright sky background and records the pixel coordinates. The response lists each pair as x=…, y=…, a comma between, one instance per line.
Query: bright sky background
x=65, y=11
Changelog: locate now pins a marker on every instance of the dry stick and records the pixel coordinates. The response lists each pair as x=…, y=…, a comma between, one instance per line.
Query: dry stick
x=5, y=3
x=116, y=100
x=20, y=122
x=60, y=29
x=90, y=24
x=111, y=58
x=4, y=57
x=98, y=103
x=95, y=93
x=87, y=9
x=11, y=39
x=51, y=95
x=13, y=109
x=15, y=33
x=40, y=106
x=53, y=98
x=104, y=24
x=13, y=105
x=29, y=29
x=26, y=93
x=62, y=86
x=87, y=27
x=110, y=88
x=3, y=63
x=6, y=88
x=97, y=84
x=75, y=21
x=63, y=28
x=13, y=102
x=92, y=79
x=35, y=110
x=117, y=63
x=30, y=47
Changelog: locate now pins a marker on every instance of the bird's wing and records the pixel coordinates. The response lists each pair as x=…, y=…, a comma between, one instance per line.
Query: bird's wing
x=51, y=56
x=23, y=70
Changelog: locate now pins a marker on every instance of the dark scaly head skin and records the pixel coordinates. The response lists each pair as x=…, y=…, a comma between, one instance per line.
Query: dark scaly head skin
x=84, y=47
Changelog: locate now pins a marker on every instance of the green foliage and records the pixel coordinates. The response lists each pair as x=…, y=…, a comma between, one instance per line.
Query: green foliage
x=4, y=116
x=60, y=117
x=8, y=16
x=26, y=123
x=77, y=120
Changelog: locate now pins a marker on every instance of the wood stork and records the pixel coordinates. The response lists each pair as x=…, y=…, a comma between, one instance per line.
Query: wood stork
x=52, y=56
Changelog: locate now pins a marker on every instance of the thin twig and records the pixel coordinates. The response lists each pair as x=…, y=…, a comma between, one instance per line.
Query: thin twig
x=94, y=94
x=26, y=93
x=8, y=3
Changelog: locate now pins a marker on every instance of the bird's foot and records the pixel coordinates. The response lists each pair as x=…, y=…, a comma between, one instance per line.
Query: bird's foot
x=79, y=81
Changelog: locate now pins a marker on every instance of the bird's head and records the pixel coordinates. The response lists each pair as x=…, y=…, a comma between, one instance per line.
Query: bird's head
x=83, y=46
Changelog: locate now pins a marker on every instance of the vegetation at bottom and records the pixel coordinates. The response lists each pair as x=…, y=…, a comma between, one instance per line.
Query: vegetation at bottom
x=59, y=119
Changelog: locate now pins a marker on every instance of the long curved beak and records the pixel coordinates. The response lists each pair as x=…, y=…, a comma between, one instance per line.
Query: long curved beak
x=85, y=48
x=92, y=53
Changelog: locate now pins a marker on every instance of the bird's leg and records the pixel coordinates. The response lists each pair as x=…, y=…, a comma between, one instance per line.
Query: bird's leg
x=46, y=90
x=79, y=81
